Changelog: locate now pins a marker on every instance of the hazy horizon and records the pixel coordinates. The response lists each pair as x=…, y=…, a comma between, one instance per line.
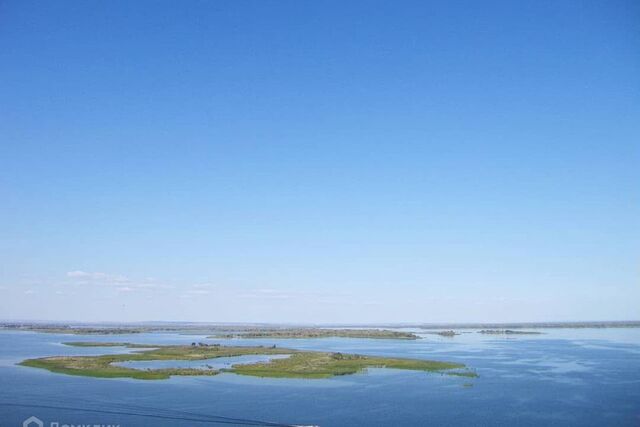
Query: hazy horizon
x=300, y=162
x=427, y=325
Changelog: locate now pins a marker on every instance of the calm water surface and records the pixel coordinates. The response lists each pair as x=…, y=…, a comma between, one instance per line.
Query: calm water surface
x=564, y=377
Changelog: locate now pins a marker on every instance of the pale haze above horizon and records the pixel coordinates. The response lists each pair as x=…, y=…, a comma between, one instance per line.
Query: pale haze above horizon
x=320, y=162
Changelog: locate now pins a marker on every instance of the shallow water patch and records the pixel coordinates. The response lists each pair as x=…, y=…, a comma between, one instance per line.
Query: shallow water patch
x=216, y=363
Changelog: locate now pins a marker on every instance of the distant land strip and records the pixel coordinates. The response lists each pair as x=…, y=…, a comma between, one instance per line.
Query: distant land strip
x=293, y=333
x=264, y=330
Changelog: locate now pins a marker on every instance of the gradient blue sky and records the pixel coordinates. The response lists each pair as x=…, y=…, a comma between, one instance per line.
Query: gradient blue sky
x=322, y=161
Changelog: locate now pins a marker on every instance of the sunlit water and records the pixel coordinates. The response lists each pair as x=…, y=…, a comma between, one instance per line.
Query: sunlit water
x=564, y=377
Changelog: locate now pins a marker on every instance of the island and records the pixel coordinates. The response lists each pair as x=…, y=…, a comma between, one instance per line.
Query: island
x=448, y=333
x=319, y=333
x=298, y=364
x=507, y=332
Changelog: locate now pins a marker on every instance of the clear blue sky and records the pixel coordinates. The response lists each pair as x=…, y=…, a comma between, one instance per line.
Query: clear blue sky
x=320, y=161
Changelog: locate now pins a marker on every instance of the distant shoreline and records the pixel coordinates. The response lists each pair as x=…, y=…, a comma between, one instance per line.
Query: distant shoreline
x=535, y=325
x=240, y=329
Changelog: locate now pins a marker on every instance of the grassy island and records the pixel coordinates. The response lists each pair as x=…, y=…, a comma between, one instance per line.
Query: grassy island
x=448, y=333
x=320, y=333
x=507, y=332
x=299, y=364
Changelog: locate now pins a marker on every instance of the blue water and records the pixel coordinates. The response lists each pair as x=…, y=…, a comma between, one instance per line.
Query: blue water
x=565, y=377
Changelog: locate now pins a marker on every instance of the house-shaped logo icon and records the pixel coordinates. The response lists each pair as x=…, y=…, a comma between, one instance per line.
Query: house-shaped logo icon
x=33, y=422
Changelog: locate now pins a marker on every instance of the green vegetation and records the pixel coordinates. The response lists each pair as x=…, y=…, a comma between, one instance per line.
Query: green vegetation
x=103, y=366
x=107, y=344
x=325, y=365
x=300, y=364
x=448, y=333
x=320, y=333
x=466, y=373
